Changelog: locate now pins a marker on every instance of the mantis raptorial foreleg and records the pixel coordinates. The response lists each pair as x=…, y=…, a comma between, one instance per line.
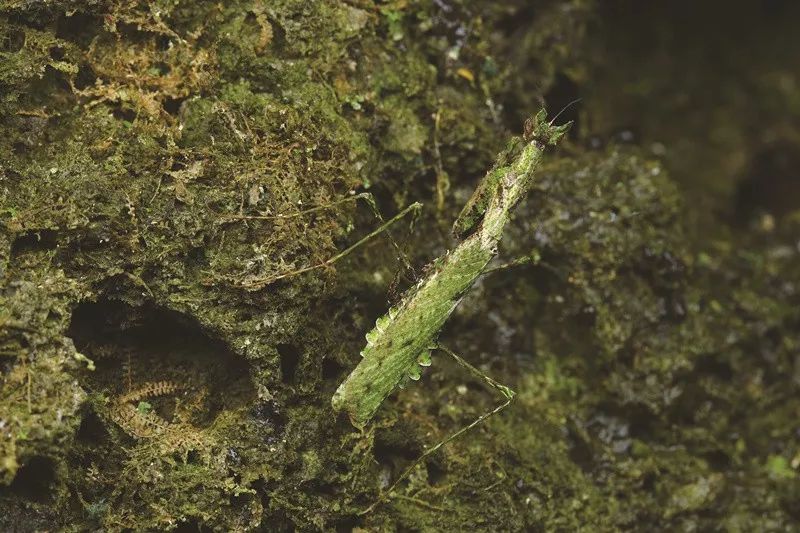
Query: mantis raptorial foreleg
x=506, y=392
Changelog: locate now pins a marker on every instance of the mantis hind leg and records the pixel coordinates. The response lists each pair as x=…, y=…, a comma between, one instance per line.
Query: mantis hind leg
x=506, y=392
x=258, y=283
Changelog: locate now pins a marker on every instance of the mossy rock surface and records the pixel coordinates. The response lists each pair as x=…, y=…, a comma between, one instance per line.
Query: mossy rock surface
x=162, y=163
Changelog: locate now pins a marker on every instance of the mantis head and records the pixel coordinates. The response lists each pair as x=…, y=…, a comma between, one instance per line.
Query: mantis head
x=538, y=128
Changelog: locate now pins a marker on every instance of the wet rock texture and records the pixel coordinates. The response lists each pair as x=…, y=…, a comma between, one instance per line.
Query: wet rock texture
x=160, y=160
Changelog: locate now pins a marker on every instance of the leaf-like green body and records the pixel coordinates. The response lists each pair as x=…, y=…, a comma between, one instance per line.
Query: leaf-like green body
x=476, y=206
x=400, y=342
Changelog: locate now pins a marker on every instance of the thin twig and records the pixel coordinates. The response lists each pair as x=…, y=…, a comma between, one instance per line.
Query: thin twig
x=419, y=502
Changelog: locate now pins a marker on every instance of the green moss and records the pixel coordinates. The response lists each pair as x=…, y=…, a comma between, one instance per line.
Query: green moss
x=40, y=400
x=145, y=146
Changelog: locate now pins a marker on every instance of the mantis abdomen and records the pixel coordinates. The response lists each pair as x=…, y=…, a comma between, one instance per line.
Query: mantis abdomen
x=401, y=340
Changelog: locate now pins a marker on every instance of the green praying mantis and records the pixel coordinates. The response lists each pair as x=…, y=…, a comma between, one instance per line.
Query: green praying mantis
x=400, y=344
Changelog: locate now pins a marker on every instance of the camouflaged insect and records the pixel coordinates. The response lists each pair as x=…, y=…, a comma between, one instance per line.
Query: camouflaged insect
x=400, y=344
